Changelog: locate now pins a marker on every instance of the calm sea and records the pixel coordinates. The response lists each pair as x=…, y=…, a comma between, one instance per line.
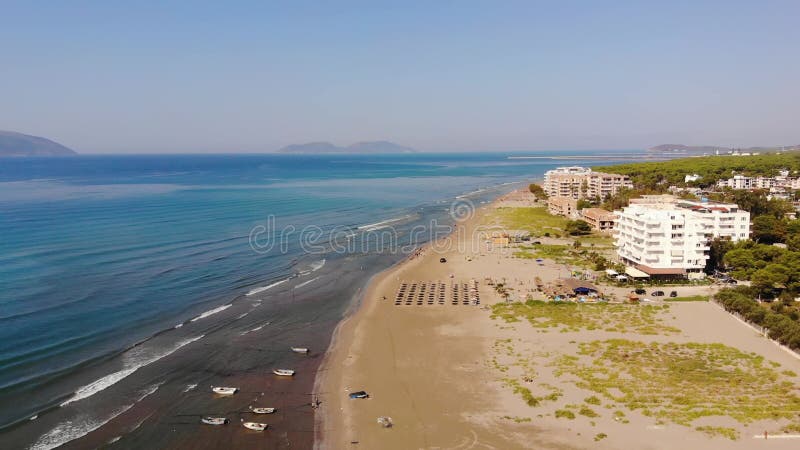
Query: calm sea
x=100, y=253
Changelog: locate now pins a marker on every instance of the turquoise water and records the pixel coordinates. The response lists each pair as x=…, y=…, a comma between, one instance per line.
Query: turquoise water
x=98, y=253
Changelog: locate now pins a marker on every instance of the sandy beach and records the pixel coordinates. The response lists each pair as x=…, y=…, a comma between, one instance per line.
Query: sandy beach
x=453, y=376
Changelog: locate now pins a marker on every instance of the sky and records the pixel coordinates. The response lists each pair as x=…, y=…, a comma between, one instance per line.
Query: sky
x=149, y=77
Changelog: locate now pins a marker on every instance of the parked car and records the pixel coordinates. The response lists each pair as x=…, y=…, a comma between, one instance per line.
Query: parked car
x=673, y=294
x=640, y=291
x=536, y=243
x=730, y=281
x=657, y=293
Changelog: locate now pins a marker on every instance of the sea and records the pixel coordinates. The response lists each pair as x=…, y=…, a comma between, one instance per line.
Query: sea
x=130, y=285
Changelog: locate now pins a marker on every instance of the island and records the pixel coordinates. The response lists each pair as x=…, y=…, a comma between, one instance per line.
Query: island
x=20, y=145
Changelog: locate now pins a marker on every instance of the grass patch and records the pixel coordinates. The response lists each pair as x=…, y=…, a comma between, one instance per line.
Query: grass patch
x=592, y=400
x=588, y=412
x=537, y=220
x=564, y=413
x=567, y=316
x=517, y=419
x=693, y=298
x=600, y=437
x=680, y=383
x=729, y=433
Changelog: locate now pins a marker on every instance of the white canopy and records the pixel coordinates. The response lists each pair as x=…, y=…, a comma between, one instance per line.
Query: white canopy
x=636, y=273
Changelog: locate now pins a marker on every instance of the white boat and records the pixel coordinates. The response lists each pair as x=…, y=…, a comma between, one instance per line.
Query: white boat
x=262, y=410
x=214, y=420
x=255, y=426
x=283, y=372
x=299, y=349
x=224, y=390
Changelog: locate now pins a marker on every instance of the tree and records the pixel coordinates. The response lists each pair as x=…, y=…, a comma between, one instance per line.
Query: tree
x=768, y=229
x=578, y=228
x=718, y=247
x=583, y=204
x=537, y=191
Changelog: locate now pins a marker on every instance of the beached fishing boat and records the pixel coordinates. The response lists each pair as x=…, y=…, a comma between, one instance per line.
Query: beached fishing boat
x=359, y=394
x=224, y=390
x=299, y=349
x=262, y=410
x=214, y=420
x=283, y=372
x=255, y=426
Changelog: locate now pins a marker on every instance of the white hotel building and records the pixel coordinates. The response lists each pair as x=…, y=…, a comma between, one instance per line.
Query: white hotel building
x=660, y=235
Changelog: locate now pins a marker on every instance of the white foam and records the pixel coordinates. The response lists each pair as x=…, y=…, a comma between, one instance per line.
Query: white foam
x=315, y=266
x=132, y=362
x=240, y=316
x=178, y=325
x=254, y=329
x=264, y=288
x=306, y=282
x=211, y=312
x=34, y=417
x=189, y=387
x=383, y=224
x=81, y=426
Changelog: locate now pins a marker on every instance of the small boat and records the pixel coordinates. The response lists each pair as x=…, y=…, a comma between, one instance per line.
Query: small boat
x=283, y=372
x=255, y=426
x=359, y=394
x=214, y=420
x=299, y=349
x=224, y=390
x=262, y=410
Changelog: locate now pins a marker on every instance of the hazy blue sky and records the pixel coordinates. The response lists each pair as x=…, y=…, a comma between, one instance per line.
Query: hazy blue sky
x=253, y=76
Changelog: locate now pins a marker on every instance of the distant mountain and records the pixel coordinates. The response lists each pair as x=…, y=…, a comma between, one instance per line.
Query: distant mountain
x=18, y=144
x=360, y=147
x=711, y=149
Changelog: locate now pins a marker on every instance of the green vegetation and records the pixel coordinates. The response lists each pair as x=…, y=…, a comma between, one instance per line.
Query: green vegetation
x=693, y=298
x=658, y=175
x=592, y=400
x=588, y=412
x=642, y=319
x=600, y=437
x=729, y=433
x=565, y=413
x=683, y=382
x=578, y=228
x=773, y=271
x=562, y=254
x=780, y=319
x=537, y=191
x=517, y=419
x=534, y=220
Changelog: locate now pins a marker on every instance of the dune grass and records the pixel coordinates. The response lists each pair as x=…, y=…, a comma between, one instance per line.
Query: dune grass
x=684, y=382
x=567, y=317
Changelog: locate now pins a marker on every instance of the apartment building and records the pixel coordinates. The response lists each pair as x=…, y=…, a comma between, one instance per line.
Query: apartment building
x=667, y=237
x=581, y=182
x=599, y=219
x=562, y=206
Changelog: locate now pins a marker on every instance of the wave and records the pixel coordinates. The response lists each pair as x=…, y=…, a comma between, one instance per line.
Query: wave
x=242, y=316
x=306, y=282
x=264, y=288
x=189, y=387
x=211, y=312
x=383, y=224
x=179, y=325
x=313, y=267
x=254, y=329
x=82, y=425
x=133, y=363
